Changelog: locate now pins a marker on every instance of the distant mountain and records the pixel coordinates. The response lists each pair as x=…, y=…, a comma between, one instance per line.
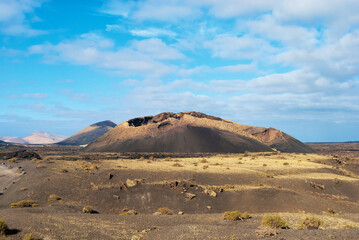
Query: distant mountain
x=35, y=138
x=191, y=132
x=89, y=134
x=13, y=140
x=8, y=145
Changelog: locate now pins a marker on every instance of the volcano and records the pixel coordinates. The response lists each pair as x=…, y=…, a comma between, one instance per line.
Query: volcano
x=89, y=134
x=193, y=132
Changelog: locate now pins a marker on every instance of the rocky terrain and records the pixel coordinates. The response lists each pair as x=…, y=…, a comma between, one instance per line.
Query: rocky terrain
x=89, y=134
x=129, y=192
x=191, y=132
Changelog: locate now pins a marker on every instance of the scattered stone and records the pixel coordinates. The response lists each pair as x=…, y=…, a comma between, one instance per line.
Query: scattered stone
x=190, y=195
x=134, y=182
x=209, y=207
x=180, y=213
x=116, y=196
x=210, y=192
x=317, y=186
x=131, y=183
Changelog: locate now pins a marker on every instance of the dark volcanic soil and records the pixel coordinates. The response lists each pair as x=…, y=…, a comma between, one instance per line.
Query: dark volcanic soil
x=203, y=186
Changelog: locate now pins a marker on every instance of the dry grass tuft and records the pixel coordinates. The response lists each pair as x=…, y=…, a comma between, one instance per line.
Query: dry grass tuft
x=54, y=197
x=88, y=209
x=127, y=212
x=29, y=236
x=11, y=160
x=177, y=165
x=274, y=221
x=41, y=166
x=349, y=227
x=235, y=215
x=3, y=228
x=203, y=160
x=24, y=203
x=165, y=211
x=310, y=223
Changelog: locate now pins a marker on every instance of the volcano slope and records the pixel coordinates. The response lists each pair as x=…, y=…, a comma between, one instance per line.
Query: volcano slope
x=89, y=134
x=191, y=132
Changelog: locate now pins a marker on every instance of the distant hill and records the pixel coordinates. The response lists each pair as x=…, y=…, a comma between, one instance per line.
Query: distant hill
x=6, y=145
x=35, y=138
x=191, y=132
x=89, y=134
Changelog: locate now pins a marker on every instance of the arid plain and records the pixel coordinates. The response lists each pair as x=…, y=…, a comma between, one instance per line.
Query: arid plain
x=126, y=191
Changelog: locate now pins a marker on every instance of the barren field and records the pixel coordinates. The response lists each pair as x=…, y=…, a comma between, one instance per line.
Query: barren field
x=125, y=192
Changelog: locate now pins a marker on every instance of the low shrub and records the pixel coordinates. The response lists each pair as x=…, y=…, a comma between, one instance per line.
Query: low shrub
x=11, y=160
x=235, y=215
x=274, y=221
x=285, y=163
x=41, y=166
x=165, y=211
x=331, y=211
x=349, y=227
x=129, y=213
x=310, y=223
x=203, y=161
x=54, y=197
x=29, y=236
x=24, y=203
x=3, y=228
x=205, y=167
x=177, y=165
x=88, y=209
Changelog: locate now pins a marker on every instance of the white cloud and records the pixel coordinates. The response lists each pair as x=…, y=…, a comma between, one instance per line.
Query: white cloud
x=94, y=50
x=336, y=59
x=167, y=11
x=244, y=47
x=29, y=96
x=157, y=49
x=152, y=32
x=115, y=7
x=238, y=68
x=292, y=35
x=13, y=17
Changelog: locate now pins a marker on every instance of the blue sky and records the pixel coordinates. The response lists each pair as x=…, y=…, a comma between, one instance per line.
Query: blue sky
x=292, y=65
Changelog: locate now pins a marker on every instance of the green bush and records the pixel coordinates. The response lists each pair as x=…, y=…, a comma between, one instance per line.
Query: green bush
x=274, y=221
x=235, y=215
x=310, y=223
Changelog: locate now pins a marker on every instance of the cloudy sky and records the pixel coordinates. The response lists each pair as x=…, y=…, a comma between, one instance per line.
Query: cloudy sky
x=292, y=65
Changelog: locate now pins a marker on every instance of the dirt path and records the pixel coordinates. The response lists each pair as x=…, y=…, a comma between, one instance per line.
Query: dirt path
x=7, y=175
